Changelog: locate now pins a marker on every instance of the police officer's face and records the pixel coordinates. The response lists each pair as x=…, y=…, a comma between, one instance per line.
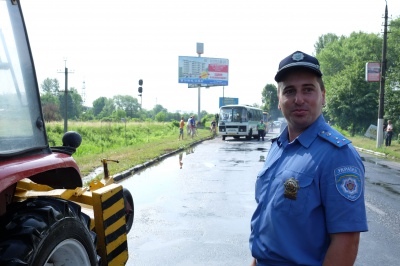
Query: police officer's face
x=300, y=99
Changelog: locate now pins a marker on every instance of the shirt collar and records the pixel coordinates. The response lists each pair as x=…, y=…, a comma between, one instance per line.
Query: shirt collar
x=307, y=136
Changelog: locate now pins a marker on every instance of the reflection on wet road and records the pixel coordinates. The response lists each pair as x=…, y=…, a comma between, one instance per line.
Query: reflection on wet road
x=194, y=208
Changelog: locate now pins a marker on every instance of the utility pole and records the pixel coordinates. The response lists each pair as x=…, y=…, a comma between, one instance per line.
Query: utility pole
x=379, y=139
x=66, y=96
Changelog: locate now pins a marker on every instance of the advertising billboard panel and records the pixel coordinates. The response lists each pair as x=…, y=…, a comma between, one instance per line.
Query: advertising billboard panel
x=203, y=70
x=372, y=71
x=227, y=101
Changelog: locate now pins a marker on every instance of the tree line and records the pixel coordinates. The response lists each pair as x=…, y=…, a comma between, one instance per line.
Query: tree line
x=110, y=109
x=352, y=102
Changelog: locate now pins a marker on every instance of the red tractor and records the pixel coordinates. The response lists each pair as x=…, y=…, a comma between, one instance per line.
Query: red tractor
x=47, y=216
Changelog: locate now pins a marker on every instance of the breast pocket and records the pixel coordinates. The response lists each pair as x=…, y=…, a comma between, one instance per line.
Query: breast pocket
x=298, y=191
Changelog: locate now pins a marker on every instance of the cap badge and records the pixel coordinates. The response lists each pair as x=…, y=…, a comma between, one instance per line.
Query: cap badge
x=291, y=187
x=298, y=56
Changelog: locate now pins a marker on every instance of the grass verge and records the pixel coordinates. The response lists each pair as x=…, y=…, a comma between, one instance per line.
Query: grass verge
x=392, y=152
x=136, y=143
x=130, y=156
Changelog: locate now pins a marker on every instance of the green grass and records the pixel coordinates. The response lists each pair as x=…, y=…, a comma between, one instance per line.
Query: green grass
x=392, y=152
x=138, y=142
x=131, y=145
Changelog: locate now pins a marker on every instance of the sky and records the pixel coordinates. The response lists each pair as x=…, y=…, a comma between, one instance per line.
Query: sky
x=109, y=45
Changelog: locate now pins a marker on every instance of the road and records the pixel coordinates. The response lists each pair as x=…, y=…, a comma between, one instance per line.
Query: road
x=200, y=214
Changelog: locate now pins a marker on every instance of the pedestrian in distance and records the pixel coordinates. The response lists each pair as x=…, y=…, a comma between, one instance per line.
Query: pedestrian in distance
x=189, y=125
x=389, y=133
x=213, y=127
x=261, y=130
x=310, y=191
x=181, y=126
x=193, y=126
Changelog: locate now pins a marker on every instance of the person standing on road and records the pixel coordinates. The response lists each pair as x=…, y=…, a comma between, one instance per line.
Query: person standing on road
x=310, y=191
x=181, y=126
x=389, y=133
x=261, y=130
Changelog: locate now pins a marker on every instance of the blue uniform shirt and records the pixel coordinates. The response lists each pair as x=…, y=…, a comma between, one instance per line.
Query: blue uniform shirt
x=324, y=179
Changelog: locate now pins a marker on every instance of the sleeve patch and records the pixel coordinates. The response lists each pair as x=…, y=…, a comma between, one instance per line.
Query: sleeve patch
x=348, y=182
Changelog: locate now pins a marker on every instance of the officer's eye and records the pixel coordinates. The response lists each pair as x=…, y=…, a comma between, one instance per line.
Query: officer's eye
x=288, y=92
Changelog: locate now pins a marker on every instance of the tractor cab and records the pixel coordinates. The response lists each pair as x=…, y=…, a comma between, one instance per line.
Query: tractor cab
x=21, y=122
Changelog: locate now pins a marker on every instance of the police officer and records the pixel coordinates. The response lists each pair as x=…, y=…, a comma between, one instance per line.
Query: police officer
x=261, y=130
x=310, y=191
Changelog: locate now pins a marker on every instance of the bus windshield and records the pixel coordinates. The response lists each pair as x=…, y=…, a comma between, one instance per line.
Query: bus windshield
x=233, y=114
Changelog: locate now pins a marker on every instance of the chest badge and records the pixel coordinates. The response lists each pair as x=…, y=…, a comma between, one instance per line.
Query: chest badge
x=291, y=188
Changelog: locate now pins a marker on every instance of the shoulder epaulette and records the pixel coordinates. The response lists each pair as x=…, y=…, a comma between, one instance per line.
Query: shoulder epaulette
x=334, y=137
x=274, y=139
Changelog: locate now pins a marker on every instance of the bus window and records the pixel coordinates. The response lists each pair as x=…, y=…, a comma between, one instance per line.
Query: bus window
x=244, y=115
x=237, y=115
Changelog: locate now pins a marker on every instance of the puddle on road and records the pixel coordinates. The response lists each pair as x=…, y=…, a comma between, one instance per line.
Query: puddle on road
x=243, y=146
x=390, y=187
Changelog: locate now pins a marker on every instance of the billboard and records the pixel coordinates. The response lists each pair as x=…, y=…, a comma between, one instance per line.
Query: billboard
x=227, y=101
x=203, y=70
x=373, y=71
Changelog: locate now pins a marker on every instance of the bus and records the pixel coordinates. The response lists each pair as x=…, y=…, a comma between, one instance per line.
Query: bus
x=239, y=121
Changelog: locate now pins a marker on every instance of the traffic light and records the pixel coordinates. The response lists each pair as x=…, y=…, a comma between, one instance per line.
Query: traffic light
x=140, y=90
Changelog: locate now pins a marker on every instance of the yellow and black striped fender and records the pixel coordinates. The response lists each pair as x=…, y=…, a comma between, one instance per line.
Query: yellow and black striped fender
x=110, y=224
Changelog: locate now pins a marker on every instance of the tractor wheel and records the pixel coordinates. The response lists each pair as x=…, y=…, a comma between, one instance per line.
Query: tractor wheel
x=129, y=209
x=47, y=231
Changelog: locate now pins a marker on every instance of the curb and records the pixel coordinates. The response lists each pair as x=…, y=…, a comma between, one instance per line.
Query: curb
x=119, y=176
x=371, y=152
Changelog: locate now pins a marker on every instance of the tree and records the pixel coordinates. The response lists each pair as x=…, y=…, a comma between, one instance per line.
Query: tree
x=127, y=103
x=51, y=86
x=51, y=112
x=49, y=100
x=159, y=108
x=392, y=85
x=75, y=104
x=160, y=116
x=108, y=109
x=70, y=105
x=352, y=103
x=98, y=105
x=324, y=40
x=270, y=101
x=87, y=114
x=118, y=114
x=103, y=107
